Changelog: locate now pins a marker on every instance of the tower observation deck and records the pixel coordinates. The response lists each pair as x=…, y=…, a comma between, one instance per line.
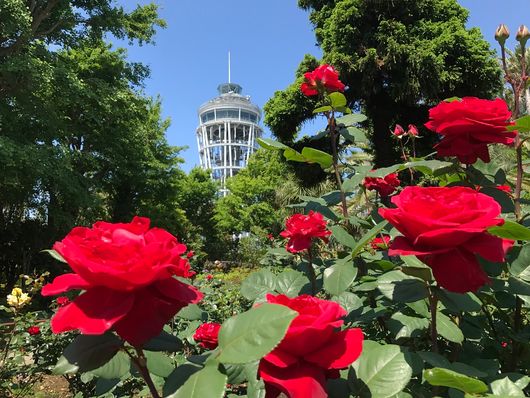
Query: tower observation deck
x=227, y=132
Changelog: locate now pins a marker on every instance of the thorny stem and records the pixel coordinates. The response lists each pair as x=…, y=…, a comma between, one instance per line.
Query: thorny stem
x=141, y=364
x=311, y=271
x=433, y=306
x=334, y=138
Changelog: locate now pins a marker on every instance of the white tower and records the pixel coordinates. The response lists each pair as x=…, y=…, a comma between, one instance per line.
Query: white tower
x=227, y=132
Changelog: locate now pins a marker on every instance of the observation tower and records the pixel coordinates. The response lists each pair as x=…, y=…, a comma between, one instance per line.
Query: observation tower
x=227, y=132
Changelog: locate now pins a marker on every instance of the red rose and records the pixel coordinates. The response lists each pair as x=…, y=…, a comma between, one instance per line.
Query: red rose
x=33, y=330
x=301, y=229
x=209, y=277
x=446, y=229
x=469, y=125
x=385, y=186
x=380, y=242
x=312, y=350
x=504, y=188
x=62, y=301
x=323, y=78
x=398, y=131
x=190, y=254
x=206, y=335
x=126, y=271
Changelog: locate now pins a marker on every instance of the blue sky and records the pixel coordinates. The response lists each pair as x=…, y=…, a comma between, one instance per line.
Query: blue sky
x=267, y=40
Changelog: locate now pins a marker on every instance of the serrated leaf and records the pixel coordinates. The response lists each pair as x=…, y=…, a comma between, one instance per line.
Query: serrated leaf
x=449, y=378
x=339, y=276
x=159, y=364
x=337, y=99
x=510, y=230
x=291, y=282
x=383, y=370
x=117, y=367
x=87, y=352
x=251, y=335
x=342, y=236
x=406, y=326
x=402, y=288
x=258, y=284
x=207, y=382
x=353, y=134
x=349, y=301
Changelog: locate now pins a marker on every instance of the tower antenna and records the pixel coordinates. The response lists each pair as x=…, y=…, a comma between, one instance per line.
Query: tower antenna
x=229, y=67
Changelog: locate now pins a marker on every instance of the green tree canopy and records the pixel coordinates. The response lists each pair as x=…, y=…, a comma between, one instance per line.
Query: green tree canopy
x=397, y=58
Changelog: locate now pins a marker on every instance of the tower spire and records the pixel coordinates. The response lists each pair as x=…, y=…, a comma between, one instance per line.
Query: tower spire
x=229, y=67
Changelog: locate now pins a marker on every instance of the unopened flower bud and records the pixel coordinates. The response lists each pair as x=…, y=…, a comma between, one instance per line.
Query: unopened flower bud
x=522, y=35
x=502, y=33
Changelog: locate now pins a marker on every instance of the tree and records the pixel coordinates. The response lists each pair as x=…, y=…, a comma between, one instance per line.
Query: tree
x=78, y=140
x=397, y=58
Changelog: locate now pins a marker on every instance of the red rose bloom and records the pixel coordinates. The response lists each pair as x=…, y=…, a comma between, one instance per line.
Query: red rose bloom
x=446, y=228
x=33, y=330
x=209, y=277
x=323, y=78
x=469, y=125
x=385, y=186
x=301, y=229
x=62, y=301
x=380, y=242
x=206, y=335
x=126, y=271
x=312, y=350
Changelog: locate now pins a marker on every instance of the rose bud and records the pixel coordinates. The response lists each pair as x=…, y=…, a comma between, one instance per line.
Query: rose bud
x=522, y=35
x=502, y=33
x=413, y=131
x=398, y=131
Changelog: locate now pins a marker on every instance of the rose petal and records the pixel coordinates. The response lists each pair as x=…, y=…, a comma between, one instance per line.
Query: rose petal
x=340, y=351
x=64, y=283
x=300, y=381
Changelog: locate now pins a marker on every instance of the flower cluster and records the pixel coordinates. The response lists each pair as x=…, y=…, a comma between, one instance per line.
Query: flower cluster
x=127, y=273
x=18, y=298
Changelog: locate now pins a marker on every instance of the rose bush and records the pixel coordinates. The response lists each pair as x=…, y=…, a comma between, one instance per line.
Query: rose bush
x=312, y=351
x=302, y=229
x=126, y=271
x=446, y=228
x=468, y=125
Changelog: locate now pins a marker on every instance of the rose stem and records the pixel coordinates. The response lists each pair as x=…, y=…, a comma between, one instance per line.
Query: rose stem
x=311, y=271
x=334, y=137
x=433, y=306
x=141, y=363
x=516, y=88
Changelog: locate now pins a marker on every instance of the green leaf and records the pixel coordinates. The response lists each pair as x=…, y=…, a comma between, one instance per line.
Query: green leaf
x=251, y=335
x=207, y=382
x=448, y=329
x=384, y=371
x=349, y=301
x=452, y=99
x=449, y=378
x=351, y=119
x=117, y=367
x=510, y=230
x=159, y=364
x=457, y=302
x=164, y=342
x=406, y=326
x=312, y=155
x=517, y=286
x=522, y=124
x=55, y=255
x=291, y=282
x=322, y=109
x=103, y=386
x=520, y=267
x=506, y=387
x=178, y=377
x=337, y=99
x=367, y=237
x=258, y=284
x=293, y=156
x=87, y=352
x=402, y=288
x=270, y=144
x=353, y=134
x=192, y=312
x=342, y=236
x=339, y=276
